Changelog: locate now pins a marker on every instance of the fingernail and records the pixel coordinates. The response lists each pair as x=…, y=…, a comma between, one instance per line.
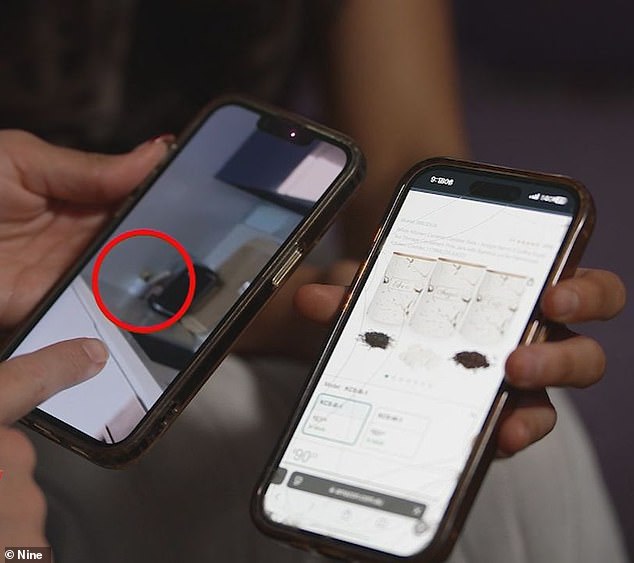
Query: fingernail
x=565, y=302
x=502, y=454
x=167, y=138
x=95, y=350
x=523, y=435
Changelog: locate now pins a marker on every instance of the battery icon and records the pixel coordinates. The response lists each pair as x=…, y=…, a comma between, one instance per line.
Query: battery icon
x=556, y=199
x=560, y=200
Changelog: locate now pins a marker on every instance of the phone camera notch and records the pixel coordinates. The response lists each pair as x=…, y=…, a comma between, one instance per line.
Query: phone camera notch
x=285, y=129
x=495, y=191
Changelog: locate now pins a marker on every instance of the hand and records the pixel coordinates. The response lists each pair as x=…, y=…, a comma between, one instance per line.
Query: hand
x=54, y=200
x=279, y=330
x=574, y=361
x=25, y=382
x=567, y=360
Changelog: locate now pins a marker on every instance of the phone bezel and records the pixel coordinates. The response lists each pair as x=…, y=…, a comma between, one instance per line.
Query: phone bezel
x=218, y=344
x=484, y=448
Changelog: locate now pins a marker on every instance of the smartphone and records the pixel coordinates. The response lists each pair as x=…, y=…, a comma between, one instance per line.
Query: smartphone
x=167, y=299
x=242, y=175
x=396, y=427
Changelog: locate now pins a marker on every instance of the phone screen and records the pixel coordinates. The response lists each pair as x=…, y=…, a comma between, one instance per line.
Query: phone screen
x=377, y=453
x=231, y=196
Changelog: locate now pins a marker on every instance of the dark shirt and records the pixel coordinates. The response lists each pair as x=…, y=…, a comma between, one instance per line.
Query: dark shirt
x=107, y=74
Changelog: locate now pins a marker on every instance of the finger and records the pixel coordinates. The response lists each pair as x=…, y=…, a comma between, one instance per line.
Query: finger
x=575, y=362
x=319, y=302
x=78, y=176
x=530, y=420
x=589, y=295
x=16, y=452
x=28, y=380
x=342, y=272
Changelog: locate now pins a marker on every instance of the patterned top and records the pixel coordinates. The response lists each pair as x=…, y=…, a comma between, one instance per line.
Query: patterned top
x=106, y=74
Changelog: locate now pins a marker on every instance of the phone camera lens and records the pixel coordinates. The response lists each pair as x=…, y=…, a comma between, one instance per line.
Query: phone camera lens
x=285, y=129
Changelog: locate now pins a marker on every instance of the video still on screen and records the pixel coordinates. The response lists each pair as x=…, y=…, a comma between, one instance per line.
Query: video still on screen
x=221, y=209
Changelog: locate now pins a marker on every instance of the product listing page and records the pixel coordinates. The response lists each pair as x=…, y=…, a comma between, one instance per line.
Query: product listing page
x=379, y=449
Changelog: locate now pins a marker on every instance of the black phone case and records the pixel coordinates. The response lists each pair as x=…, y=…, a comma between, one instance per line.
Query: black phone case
x=219, y=343
x=168, y=301
x=484, y=445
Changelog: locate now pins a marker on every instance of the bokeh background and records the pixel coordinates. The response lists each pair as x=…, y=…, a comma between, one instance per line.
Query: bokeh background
x=549, y=85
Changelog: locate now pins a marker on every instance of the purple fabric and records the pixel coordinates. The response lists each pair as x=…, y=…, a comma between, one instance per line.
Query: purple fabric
x=588, y=134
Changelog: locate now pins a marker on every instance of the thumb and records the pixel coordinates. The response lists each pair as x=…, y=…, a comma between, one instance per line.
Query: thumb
x=319, y=303
x=77, y=176
x=28, y=380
